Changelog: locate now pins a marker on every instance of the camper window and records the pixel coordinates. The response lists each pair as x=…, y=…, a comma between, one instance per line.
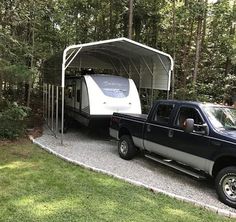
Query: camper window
x=113, y=86
x=69, y=92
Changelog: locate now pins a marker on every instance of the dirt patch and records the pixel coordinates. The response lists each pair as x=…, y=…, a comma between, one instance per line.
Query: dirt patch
x=35, y=132
x=21, y=153
x=22, y=140
x=35, y=123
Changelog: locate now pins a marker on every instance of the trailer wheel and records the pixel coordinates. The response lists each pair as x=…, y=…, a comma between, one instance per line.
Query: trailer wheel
x=126, y=148
x=226, y=186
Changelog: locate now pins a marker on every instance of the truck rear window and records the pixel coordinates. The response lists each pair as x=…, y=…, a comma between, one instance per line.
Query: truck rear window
x=163, y=112
x=112, y=86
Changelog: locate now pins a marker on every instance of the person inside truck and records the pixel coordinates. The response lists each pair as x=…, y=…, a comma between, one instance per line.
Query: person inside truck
x=188, y=113
x=182, y=120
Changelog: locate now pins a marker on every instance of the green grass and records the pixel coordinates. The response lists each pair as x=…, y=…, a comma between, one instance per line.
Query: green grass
x=37, y=186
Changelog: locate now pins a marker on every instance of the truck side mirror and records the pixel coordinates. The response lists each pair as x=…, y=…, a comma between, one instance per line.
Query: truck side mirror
x=188, y=125
x=205, y=129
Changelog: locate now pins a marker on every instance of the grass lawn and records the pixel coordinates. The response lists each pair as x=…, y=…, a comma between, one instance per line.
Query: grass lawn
x=37, y=186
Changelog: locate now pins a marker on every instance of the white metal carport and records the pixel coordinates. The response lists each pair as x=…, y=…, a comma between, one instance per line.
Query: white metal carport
x=148, y=67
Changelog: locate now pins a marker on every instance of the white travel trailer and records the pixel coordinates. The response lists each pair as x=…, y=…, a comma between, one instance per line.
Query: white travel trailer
x=98, y=96
x=150, y=69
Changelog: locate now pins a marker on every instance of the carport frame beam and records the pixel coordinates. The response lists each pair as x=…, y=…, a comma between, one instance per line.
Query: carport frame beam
x=122, y=64
x=168, y=73
x=138, y=71
x=64, y=66
x=149, y=69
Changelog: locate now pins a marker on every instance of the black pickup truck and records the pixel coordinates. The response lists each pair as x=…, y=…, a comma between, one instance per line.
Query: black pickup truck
x=196, y=138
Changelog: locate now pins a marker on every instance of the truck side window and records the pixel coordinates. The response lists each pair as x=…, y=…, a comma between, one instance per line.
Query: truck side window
x=188, y=112
x=162, y=115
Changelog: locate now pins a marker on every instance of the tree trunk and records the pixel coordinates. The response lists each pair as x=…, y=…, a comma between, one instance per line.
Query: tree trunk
x=31, y=59
x=130, y=29
x=1, y=82
x=186, y=50
x=173, y=54
x=29, y=92
x=198, y=49
x=204, y=23
x=111, y=19
x=228, y=64
x=76, y=29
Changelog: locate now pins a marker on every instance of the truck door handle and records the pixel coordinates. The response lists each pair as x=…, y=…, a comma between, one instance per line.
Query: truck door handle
x=216, y=143
x=171, y=133
x=148, y=128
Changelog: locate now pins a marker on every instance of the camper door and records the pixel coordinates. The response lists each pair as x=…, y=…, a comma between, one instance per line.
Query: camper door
x=85, y=109
x=78, y=95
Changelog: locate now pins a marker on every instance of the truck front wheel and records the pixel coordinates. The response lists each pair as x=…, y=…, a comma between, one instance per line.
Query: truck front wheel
x=226, y=186
x=126, y=148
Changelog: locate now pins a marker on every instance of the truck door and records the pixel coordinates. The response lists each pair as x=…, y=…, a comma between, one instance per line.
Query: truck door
x=157, y=128
x=190, y=148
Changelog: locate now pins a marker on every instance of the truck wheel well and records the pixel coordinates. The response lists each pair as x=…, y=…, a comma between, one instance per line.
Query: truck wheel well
x=123, y=131
x=223, y=162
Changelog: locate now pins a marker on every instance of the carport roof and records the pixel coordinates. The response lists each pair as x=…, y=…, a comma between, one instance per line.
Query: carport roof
x=119, y=51
x=122, y=46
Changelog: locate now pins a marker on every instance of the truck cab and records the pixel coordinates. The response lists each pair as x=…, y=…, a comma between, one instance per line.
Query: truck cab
x=199, y=138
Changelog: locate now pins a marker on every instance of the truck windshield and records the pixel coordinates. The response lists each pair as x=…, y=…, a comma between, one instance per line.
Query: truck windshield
x=222, y=117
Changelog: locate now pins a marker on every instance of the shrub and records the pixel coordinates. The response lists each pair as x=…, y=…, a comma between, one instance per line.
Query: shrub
x=12, y=120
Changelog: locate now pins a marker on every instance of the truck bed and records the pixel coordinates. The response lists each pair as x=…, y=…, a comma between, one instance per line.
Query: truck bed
x=137, y=117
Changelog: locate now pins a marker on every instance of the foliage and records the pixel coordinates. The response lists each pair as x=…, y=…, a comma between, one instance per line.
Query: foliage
x=16, y=72
x=230, y=88
x=33, y=30
x=37, y=186
x=12, y=118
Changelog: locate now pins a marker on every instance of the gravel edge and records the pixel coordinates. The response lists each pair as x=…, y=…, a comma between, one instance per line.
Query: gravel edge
x=216, y=210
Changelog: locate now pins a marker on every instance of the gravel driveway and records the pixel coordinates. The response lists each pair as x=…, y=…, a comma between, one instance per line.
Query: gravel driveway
x=99, y=152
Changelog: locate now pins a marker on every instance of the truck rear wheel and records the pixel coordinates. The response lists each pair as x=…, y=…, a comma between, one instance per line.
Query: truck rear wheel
x=226, y=186
x=126, y=148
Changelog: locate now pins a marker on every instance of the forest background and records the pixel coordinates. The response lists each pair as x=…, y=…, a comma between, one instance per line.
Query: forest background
x=199, y=34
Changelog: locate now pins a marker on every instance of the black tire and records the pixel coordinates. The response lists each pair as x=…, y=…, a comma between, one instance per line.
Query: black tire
x=226, y=186
x=126, y=148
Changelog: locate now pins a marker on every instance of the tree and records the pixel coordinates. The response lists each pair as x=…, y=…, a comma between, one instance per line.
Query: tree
x=130, y=19
x=200, y=18
x=198, y=34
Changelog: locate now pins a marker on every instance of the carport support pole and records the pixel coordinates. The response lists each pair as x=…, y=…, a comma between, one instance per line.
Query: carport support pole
x=63, y=69
x=43, y=102
x=168, y=92
x=52, y=115
x=138, y=71
x=62, y=92
x=168, y=77
x=127, y=72
x=49, y=96
x=57, y=110
x=46, y=100
x=62, y=112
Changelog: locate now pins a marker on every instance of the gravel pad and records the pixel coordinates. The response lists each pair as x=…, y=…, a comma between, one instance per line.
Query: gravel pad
x=98, y=151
